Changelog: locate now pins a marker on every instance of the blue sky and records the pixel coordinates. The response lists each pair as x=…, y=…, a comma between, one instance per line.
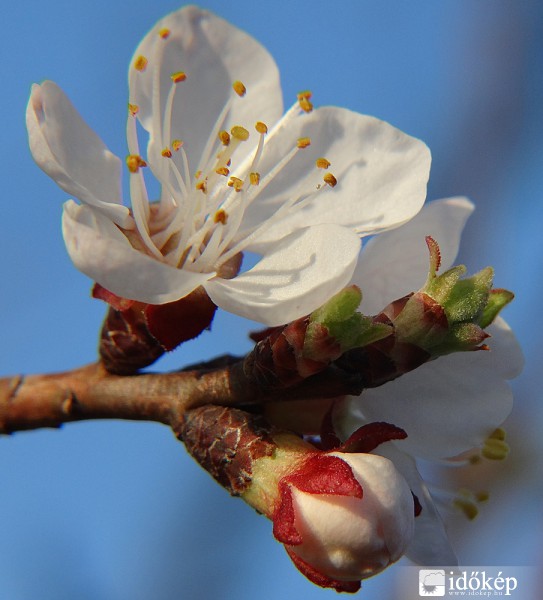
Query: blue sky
x=117, y=510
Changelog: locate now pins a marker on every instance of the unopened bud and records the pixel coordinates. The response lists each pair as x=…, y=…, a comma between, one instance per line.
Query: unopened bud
x=342, y=516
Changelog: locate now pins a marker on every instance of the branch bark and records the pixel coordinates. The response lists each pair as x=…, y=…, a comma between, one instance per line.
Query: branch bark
x=91, y=392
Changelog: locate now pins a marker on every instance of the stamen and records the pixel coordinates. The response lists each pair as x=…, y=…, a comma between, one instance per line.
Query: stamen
x=239, y=88
x=322, y=163
x=254, y=178
x=261, y=127
x=176, y=145
x=224, y=136
x=330, y=179
x=220, y=217
x=166, y=153
x=240, y=133
x=178, y=76
x=134, y=162
x=202, y=186
x=467, y=502
x=133, y=109
x=495, y=446
x=219, y=124
x=222, y=171
x=303, y=142
x=236, y=183
x=482, y=496
x=467, y=506
x=164, y=33
x=304, y=102
x=140, y=64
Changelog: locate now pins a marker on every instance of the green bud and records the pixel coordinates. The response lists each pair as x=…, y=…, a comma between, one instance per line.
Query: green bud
x=469, y=297
x=497, y=299
x=349, y=328
x=340, y=307
x=449, y=313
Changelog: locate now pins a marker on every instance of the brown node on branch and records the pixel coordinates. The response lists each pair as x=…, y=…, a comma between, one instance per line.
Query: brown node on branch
x=126, y=346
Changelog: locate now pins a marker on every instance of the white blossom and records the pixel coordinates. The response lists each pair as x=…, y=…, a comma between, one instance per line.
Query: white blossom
x=236, y=175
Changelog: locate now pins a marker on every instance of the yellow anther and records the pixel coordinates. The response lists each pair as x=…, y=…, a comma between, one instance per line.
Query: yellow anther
x=467, y=506
x=178, y=76
x=494, y=449
x=330, y=179
x=322, y=163
x=220, y=216
x=197, y=175
x=133, y=109
x=202, y=186
x=303, y=142
x=134, y=162
x=261, y=127
x=236, y=183
x=482, y=496
x=254, y=178
x=164, y=33
x=495, y=446
x=305, y=105
x=239, y=88
x=224, y=136
x=222, y=171
x=176, y=145
x=304, y=102
x=240, y=133
x=498, y=434
x=166, y=153
x=140, y=64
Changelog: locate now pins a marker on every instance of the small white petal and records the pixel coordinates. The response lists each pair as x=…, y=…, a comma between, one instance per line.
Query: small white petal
x=381, y=173
x=101, y=251
x=430, y=545
x=213, y=54
x=65, y=147
x=300, y=274
x=396, y=262
x=447, y=406
x=505, y=355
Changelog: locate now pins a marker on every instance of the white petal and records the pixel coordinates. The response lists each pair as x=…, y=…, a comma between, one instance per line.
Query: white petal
x=447, y=406
x=65, y=147
x=505, y=354
x=381, y=172
x=300, y=274
x=396, y=262
x=213, y=54
x=101, y=251
x=430, y=545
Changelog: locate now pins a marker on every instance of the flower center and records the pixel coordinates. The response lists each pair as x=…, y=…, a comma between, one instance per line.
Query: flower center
x=196, y=223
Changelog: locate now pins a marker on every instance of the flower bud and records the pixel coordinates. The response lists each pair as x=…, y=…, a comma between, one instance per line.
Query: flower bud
x=337, y=539
x=342, y=515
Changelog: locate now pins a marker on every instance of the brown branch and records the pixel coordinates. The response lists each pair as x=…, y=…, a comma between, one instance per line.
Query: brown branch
x=90, y=392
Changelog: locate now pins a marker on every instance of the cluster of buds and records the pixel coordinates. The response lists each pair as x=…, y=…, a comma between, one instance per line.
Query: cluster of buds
x=343, y=514
x=448, y=314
